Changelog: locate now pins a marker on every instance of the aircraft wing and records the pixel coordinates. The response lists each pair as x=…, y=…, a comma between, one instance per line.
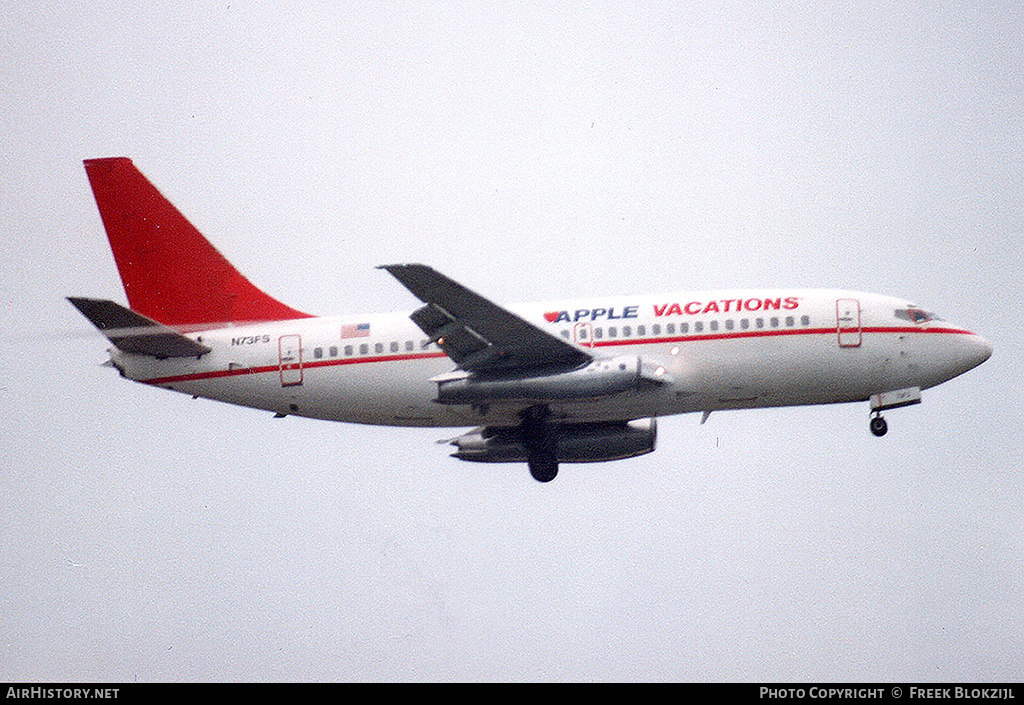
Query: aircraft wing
x=135, y=333
x=477, y=334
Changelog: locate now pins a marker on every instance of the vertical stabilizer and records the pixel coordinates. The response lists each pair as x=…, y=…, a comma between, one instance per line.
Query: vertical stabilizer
x=170, y=272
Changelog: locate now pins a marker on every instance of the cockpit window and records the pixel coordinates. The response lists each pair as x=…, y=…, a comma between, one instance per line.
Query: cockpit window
x=916, y=315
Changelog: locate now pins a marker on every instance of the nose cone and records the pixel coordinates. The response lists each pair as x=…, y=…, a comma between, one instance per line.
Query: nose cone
x=981, y=350
x=961, y=351
x=974, y=350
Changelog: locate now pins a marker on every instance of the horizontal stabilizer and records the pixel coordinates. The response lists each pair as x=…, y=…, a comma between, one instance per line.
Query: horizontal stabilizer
x=134, y=333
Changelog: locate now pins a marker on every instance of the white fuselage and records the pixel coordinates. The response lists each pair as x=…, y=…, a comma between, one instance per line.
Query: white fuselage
x=714, y=350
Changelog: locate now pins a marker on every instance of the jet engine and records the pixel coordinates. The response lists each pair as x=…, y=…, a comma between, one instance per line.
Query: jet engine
x=601, y=378
x=574, y=443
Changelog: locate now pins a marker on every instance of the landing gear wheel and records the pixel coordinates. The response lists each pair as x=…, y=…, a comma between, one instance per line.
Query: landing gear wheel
x=542, y=454
x=879, y=426
x=543, y=466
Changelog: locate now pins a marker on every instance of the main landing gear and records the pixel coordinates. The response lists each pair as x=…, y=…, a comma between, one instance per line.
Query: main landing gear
x=541, y=449
x=878, y=425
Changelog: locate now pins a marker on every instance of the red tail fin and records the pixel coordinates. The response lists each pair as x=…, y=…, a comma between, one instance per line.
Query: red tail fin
x=171, y=273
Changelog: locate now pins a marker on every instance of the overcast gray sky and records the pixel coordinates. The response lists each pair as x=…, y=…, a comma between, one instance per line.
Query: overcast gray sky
x=545, y=151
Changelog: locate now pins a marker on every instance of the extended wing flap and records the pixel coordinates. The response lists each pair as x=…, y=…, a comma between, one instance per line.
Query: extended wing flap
x=458, y=339
x=135, y=333
x=477, y=334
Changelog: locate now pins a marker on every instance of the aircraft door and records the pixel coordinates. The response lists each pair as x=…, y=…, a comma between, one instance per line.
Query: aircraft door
x=289, y=351
x=848, y=326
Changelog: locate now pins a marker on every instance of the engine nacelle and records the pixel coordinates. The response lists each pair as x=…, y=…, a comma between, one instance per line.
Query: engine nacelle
x=601, y=378
x=574, y=443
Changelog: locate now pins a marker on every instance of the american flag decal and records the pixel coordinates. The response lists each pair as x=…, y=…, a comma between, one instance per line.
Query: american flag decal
x=355, y=330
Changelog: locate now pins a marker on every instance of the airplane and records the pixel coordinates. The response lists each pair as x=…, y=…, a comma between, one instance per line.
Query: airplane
x=546, y=383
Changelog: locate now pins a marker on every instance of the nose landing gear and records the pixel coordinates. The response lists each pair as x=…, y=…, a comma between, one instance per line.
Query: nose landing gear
x=890, y=400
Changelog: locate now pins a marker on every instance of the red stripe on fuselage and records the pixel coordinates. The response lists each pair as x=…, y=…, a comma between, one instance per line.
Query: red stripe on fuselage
x=731, y=335
x=216, y=374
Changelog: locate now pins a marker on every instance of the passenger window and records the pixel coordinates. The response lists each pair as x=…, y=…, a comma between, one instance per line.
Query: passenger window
x=730, y=324
x=759, y=322
x=599, y=332
x=409, y=346
x=744, y=323
x=789, y=321
x=774, y=321
x=805, y=320
x=363, y=349
x=670, y=328
x=714, y=325
x=612, y=331
x=565, y=334
x=394, y=346
x=698, y=326
x=641, y=330
x=656, y=329
x=684, y=328
x=626, y=331
x=334, y=351
x=378, y=347
x=318, y=353
x=348, y=350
